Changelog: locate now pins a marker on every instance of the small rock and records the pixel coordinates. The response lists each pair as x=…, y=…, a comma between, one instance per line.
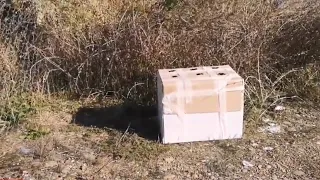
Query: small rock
x=90, y=157
x=255, y=144
x=163, y=168
x=230, y=166
x=26, y=151
x=268, y=148
x=292, y=129
x=26, y=175
x=269, y=167
x=145, y=173
x=132, y=163
x=266, y=120
x=287, y=123
x=35, y=164
x=318, y=143
x=298, y=173
x=280, y=4
x=274, y=177
x=84, y=167
x=169, y=177
x=195, y=176
x=272, y=124
x=260, y=166
x=72, y=133
x=274, y=129
x=236, y=176
x=169, y=159
x=51, y=164
x=66, y=170
x=247, y=164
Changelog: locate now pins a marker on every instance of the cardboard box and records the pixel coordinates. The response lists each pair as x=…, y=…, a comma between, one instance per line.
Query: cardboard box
x=200, y=104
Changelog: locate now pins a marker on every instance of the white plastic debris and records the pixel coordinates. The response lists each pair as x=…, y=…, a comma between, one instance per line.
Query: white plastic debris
x=268, y=148
x=273, y=128
x=247, y=164
x=279, y=108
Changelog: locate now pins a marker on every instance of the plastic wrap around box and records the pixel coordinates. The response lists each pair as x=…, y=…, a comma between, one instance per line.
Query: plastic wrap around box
x=200, y=104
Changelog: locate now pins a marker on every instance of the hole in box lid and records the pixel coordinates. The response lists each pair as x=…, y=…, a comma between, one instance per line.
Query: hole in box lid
x=199, y=74
x=221, y=74
x=172, y=70
x=174, y=76
x=193, y=69
x=215, y=67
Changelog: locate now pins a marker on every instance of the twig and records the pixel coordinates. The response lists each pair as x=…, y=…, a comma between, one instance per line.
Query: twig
x=132, y=88
x=123, y=135
x=104, y=165
x=275, y=103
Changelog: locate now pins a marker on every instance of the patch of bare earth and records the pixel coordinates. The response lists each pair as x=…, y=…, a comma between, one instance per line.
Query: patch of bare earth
x=69, y=151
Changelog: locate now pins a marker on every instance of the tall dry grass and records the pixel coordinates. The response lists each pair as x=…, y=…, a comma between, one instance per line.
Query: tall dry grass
x=103, y=48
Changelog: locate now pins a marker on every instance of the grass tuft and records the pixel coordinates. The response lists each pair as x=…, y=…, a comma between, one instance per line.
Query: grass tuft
x=133, y=148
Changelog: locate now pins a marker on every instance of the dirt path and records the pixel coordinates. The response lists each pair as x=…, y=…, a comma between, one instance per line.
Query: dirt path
x=49, y=147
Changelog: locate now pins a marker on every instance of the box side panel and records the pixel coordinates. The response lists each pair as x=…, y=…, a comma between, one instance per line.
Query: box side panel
x=202, y=98
x=210, y=103
x=160, y=105
x=203, y=127
x=173, y=129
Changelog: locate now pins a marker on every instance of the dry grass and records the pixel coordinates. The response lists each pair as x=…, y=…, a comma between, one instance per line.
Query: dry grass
x=88, y=50
x=61, y=149
x=101, y=48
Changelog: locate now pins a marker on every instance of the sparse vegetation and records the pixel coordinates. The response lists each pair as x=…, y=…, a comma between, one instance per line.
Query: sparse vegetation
x=132, y=148
x=103, y=48
x=57, y=56
x=33, y=134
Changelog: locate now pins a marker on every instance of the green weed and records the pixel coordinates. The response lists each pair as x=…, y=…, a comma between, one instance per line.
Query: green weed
x=33, y=134
x=132, y=147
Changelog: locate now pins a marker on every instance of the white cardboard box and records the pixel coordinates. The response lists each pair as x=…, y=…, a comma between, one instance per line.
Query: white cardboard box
x=200, y=104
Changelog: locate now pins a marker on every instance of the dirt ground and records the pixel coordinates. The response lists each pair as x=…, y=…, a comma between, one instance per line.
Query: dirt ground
x=50, y=146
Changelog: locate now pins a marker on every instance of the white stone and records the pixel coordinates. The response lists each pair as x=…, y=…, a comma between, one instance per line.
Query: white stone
x=279, y=108
x=268, y=148
x=247, y=164
x=298, y=173
x=51, y=164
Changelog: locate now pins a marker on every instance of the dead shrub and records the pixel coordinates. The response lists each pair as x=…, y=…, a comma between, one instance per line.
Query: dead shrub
x=84, y=50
